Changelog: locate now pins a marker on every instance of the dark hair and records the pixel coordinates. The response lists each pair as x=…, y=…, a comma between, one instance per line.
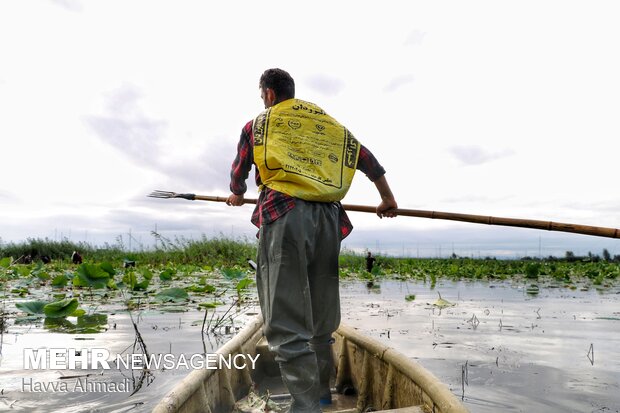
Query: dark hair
x=280, y=81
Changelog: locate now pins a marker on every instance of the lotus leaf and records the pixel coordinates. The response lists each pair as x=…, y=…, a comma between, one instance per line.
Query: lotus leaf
x=93, y=276
x=232, y=273
x=32, y=307
x=60, y=281
x=62, y=308
x=172, y=295
x=166, y=275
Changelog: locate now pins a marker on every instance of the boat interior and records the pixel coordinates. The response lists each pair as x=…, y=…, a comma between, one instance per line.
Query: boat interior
x=345, y=395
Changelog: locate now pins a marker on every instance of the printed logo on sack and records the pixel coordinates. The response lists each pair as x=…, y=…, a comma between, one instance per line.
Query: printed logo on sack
x=294, y=124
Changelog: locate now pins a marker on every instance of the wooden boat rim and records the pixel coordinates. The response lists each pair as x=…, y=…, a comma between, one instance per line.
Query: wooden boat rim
x=194, y=380
x=429, y=383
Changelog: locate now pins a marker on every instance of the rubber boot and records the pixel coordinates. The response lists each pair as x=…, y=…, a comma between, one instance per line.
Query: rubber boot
x=325, y=363
x=300, y=376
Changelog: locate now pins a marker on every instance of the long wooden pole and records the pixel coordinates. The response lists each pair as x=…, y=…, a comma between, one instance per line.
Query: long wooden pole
x=477, y=219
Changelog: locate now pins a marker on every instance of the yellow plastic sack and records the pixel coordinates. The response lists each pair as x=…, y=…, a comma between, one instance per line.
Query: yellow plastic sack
x=303, y=152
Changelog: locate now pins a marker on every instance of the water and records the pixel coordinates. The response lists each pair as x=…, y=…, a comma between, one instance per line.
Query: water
x=162, y=332
x=498, y=348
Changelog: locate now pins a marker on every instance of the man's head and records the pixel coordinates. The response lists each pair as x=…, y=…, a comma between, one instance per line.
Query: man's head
x=276, y=85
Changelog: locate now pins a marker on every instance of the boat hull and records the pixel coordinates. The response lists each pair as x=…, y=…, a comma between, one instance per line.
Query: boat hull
x=381, y=378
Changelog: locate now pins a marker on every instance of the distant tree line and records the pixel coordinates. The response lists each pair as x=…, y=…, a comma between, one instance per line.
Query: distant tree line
x=606, y=256
x=569, y=256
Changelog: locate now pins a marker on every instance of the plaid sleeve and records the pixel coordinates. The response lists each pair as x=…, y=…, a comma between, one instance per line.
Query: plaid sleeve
x=242, y=164
x=345, y=224
x=368, y=164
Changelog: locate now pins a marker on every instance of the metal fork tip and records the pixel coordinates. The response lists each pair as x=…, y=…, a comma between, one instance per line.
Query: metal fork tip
x=161, y=194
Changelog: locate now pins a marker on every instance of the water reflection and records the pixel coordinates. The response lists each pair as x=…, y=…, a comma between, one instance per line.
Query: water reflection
x=86, y=324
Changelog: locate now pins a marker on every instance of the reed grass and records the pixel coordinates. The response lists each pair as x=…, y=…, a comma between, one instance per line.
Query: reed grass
x=204, y=251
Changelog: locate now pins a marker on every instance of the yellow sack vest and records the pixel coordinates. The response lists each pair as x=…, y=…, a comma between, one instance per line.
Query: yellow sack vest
x=303, y=152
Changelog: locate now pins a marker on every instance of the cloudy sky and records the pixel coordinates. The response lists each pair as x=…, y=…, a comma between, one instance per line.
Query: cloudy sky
x=482, y=107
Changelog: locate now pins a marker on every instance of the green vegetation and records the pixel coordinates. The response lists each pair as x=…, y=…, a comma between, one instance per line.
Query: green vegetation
x=228, y=259
x=429, y=269
x=205, y=251
x=72, y=297
x=208, y=273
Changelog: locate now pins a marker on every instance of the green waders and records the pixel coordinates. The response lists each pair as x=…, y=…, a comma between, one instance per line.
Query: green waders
x=297, y=280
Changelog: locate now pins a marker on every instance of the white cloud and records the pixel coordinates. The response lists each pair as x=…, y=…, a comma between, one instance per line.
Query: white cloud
x=325, y=84
x=127, y=129
x=398, y=82
x=476, y=155
x=71, y=5
x=415, y=37
x=7, y=196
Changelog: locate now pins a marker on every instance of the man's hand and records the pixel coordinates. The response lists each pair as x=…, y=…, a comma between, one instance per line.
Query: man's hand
x=235, y=200
x=387, y=208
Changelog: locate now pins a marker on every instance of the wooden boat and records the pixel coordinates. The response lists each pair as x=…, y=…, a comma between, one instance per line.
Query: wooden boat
x=372, y=376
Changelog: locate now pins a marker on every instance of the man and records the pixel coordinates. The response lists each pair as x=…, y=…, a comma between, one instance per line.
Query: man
x=76, y=258
x=305, y=161
x=370, y=261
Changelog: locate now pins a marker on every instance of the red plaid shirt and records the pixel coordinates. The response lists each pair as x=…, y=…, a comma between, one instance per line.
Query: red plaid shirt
x=272, y=204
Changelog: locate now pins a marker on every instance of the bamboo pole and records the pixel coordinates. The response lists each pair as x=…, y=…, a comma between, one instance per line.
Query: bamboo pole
x=477, y=219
